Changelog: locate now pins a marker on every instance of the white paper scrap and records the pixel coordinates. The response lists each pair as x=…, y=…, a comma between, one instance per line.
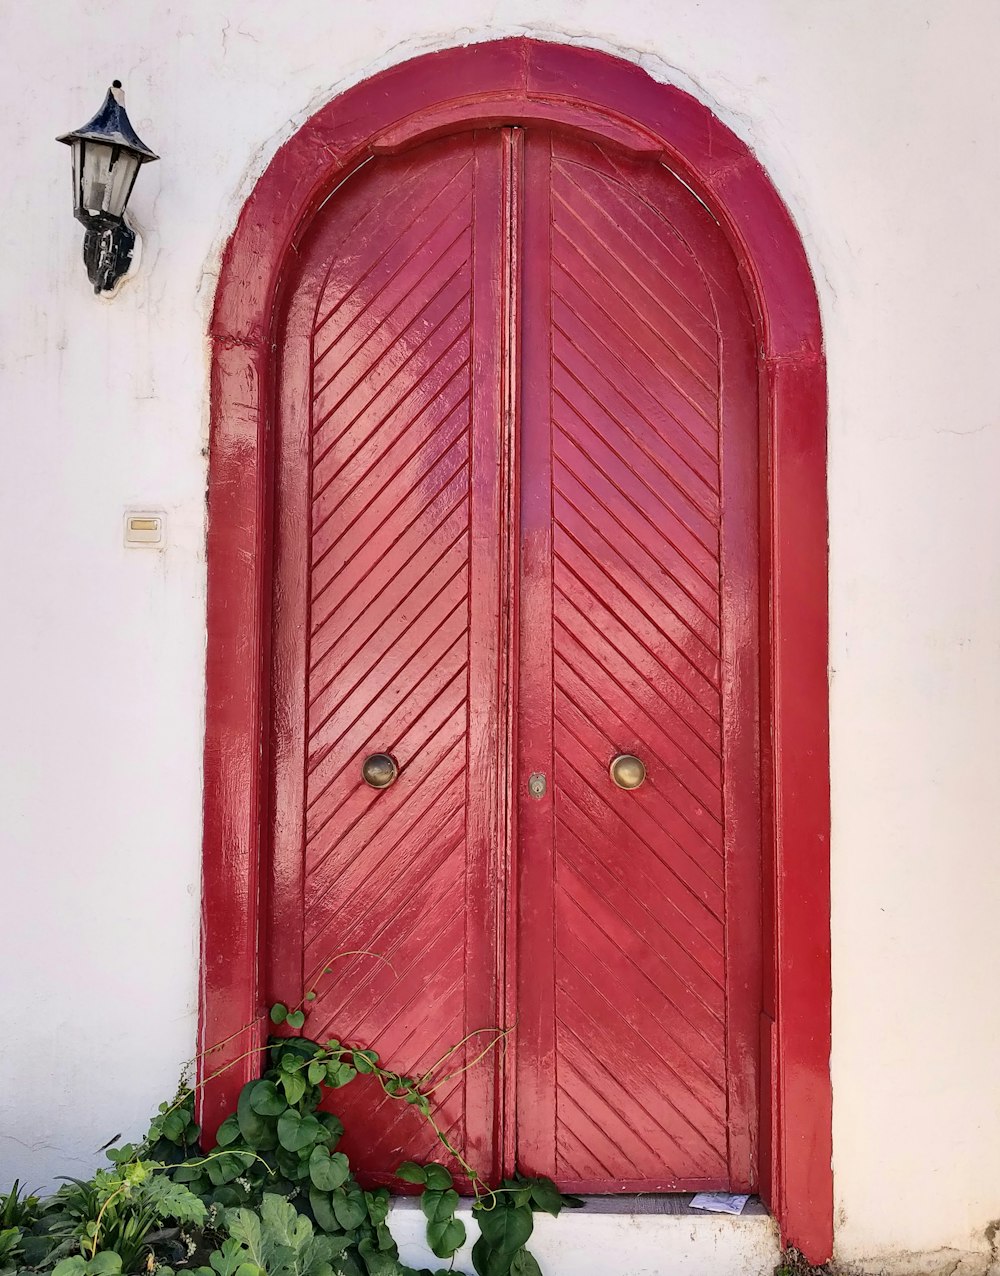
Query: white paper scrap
x=719, y=1202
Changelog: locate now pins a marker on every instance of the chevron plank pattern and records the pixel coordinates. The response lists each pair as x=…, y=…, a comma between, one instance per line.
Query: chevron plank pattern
x=640, y=890
x=389, y=644
x=594, y=921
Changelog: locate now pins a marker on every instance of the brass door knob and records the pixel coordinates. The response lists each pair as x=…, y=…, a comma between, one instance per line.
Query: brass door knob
x=379, y=770
x=627, y=771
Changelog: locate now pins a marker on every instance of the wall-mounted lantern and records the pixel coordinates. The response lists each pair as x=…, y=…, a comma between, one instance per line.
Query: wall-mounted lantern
x=107, y=156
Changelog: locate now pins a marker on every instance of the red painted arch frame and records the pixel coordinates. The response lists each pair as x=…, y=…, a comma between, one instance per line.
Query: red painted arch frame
x=521, y=81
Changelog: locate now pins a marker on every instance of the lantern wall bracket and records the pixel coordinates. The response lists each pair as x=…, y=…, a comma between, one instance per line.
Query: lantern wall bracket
x=107, y=253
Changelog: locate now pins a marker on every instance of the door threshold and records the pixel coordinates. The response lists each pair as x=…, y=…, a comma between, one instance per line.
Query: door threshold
x=677, y=1203
x=634, y=1235
x=631, y=1203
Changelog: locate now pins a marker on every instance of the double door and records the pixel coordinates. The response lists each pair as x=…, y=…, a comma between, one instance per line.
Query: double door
x=515, y=554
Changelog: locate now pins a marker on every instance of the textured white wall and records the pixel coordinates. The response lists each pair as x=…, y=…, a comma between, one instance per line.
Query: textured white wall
x=878, y=122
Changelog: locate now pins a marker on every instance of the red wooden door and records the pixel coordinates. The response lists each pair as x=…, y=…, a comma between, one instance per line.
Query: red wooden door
x=387, y=598
x=638, y=994
x=515, y=536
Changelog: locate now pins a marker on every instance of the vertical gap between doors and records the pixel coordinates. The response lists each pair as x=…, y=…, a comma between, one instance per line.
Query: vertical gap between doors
x=513, y=144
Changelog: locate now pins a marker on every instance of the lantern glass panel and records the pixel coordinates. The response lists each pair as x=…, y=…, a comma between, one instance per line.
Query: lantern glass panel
x=107, y=177
x=124, y=169
x=77, y=174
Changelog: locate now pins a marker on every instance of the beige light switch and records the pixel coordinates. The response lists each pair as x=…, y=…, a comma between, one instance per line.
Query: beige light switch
x=145, y=528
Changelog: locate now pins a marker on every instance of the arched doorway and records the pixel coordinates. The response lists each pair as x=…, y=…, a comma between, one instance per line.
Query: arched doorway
x=630, y=448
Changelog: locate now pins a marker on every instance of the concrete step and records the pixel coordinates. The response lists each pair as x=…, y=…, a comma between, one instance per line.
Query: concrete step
x=621, y=1236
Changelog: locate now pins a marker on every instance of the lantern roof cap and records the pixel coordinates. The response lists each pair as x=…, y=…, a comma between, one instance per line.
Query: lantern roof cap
x=112, y=126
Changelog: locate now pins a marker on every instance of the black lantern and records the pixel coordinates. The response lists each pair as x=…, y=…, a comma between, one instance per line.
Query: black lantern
x=107, y=156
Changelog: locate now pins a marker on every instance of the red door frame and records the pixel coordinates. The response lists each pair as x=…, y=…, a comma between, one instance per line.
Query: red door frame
x=521, y=81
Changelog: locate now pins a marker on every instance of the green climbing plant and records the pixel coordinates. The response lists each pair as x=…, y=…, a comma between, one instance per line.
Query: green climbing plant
x=276, y=1196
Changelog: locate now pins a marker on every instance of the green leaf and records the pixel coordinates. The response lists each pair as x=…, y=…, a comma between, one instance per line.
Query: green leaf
x=365, y=1060
x=174, y=1124
x=349, y=1207
x=223, y=1169
x=252, y=1125
x=310, y=996
x=228, y=1260
x=438, y=1177
x=322, y=1208
x=439, y=1206
x=503, y=1224
x=174, y=1201
x=294, y=1086
x=328, y=1172
x=546, y=1196
x=316, y=1072
x=265, y=1099
x=279, y=1013
x=333, y=1126
x=504, y=1229
x=293, y=1165
x=296, y=1019
x=228, y=1166
x=181, y=1108
x=384, y=1240
x=446, y=1237
x=524, y=1264
x=229, y=1131
x=411, y=1172
x=378, y=1203
x=70, y=1266
x=228, y=1197
x=378, y=1262
x=338, y=1074
x=348, y=1265
x=312, y=1131
x=38, y=1251
x=105, y=1263
x=283, y=1225
x=246, y=1228
x=482, y=1257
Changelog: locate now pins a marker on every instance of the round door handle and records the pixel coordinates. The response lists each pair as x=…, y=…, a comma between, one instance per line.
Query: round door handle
x=379, y=770
x=627, y=771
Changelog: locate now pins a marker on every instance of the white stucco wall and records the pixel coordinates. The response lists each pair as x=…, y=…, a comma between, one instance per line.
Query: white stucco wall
x=878, y=121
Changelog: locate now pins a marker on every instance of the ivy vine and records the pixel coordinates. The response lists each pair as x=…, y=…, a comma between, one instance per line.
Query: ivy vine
x=275, y=1197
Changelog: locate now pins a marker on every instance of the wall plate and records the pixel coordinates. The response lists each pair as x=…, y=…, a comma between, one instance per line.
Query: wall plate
x=146, y=529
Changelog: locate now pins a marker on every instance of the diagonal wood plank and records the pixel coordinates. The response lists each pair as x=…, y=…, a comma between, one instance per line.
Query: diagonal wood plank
x=637, y=629
x=393, y=400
